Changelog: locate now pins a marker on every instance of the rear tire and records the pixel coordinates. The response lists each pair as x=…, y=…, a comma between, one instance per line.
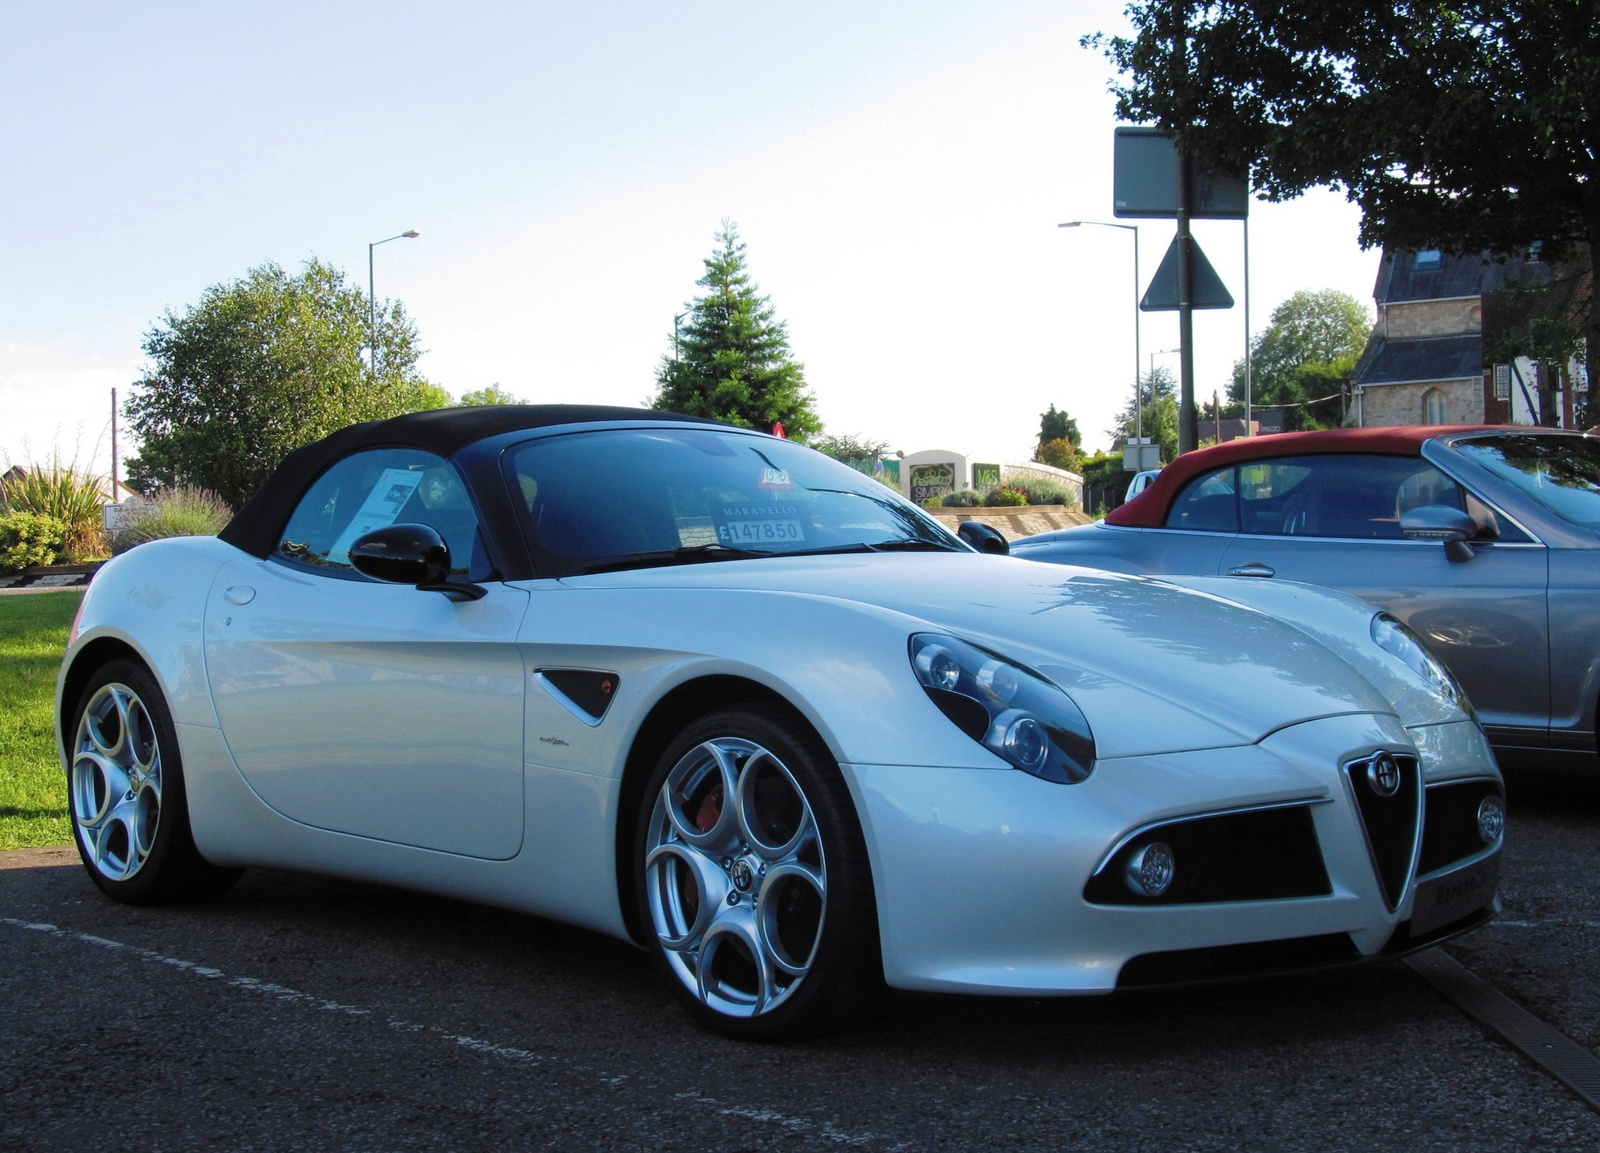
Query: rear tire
x=754, y=885
x=130, y=813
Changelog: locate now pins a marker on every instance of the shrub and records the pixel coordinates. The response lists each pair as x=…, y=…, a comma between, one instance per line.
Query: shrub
x=171, y=512
x=1041, y=491
x=73, y=498
x=1005, y=496
x=963, y=498
x=29, y=538
x=935, y=501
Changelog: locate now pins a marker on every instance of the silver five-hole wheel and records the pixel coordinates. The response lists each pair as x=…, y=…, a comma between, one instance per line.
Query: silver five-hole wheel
x=115, y=781
x=736, y=876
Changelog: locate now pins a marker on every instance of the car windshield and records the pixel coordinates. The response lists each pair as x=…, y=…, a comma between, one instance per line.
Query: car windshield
x=631, y=498
x=1560, y=472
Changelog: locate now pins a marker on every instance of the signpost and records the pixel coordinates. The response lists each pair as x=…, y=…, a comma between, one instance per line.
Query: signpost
x=1151, y=177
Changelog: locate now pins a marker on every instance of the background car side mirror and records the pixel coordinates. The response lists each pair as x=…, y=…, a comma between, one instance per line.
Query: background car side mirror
x=983, y=537
x=410, y=554
x=1440, y=522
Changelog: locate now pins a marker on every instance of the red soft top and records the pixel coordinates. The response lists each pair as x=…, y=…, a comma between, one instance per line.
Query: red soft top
x=1149, y=508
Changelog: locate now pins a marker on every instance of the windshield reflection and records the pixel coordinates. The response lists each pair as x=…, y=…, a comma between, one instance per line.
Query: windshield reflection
x=629, y=498
x=1562, y=473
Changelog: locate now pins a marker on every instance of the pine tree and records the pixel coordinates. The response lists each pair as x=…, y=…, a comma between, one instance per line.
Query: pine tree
x=732, y=360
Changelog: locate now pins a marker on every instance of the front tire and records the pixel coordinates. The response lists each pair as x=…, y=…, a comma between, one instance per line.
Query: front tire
x=130, y=813
x=754, y=885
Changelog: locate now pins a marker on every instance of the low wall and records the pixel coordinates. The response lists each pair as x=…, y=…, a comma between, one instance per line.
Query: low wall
x=1014, y=520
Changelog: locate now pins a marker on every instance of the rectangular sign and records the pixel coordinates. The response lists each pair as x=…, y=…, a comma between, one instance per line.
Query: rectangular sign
x=985, y=476
x=931, y=480
x=1146, y=181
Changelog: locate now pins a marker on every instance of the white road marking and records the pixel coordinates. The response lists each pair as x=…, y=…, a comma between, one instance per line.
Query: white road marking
x=824, y=1129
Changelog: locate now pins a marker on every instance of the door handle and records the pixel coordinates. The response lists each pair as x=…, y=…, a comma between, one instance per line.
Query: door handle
x=1254, y=569
x=239, y=594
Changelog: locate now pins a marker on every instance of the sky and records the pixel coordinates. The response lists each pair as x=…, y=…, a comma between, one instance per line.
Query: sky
x=897, y=171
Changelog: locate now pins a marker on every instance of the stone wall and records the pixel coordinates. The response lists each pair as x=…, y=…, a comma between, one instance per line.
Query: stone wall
x=1392, y=404
x=1433, y=318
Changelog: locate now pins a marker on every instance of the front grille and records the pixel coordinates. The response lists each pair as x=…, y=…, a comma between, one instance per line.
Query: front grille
x=1392, y=823
x=1450, y=828
x=1255, y=855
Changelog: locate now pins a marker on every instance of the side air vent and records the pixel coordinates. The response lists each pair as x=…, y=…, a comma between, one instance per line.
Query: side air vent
x=1451, y=830
x=587, y=693
x=1388, y=791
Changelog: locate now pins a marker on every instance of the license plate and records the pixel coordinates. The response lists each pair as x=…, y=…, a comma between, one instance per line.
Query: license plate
x=1454, y=895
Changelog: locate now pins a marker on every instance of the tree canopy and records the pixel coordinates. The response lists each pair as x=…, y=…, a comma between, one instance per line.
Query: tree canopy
x=1306, y=354
x=1160, y=394
x=490, y=394
x=1057, y=425
x=261, y=366
x=1465, y=126
x=733, y=361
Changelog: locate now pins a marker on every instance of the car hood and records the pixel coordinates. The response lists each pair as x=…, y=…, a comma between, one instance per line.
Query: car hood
x=1155, y=667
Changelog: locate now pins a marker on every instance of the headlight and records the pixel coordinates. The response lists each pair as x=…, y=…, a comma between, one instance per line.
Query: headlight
x=1396, y=639
x=1012, y=711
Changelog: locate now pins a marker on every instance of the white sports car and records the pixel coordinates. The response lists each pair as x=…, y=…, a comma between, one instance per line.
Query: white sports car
x=709, y=691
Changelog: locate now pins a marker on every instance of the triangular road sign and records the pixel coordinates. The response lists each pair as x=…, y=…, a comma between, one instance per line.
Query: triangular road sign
x=1162, y=295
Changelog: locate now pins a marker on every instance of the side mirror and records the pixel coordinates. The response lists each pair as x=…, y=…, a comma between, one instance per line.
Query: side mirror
x=984, y=538
x=1439, y=522
x=410, y=554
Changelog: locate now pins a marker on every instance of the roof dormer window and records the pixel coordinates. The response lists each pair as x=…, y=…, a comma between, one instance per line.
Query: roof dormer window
x=1430, y=258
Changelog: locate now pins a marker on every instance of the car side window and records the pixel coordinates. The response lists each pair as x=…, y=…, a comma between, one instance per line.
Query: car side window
x=1207, y=504
x=1360, y=497
x=372, y=490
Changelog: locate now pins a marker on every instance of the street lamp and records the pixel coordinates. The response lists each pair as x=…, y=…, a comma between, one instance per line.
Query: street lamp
x=372, y=299
x=1138, y=388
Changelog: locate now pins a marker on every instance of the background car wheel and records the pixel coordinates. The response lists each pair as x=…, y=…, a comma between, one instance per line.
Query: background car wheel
x=130, y=815
x=753, y=879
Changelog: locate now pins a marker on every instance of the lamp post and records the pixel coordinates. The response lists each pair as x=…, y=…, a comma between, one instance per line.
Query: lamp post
x=1138, y=389
x=372, y=299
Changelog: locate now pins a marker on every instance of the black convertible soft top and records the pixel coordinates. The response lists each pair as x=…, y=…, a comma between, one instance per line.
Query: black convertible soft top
x=444, y=431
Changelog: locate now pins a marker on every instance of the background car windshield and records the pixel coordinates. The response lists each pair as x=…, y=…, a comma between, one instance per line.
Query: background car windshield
x=1560, y=472
x=603, y=496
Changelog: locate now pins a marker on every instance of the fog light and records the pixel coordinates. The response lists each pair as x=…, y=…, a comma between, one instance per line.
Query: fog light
x=1150, y=870
x=1491, y=819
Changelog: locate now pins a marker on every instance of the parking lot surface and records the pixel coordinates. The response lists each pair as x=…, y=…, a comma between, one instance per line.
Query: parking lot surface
x=306, y=1013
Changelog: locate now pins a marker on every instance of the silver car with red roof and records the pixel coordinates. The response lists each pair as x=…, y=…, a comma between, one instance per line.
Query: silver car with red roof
x=1484, y=541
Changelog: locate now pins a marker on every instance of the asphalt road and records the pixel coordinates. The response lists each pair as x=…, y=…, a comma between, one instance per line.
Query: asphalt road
x=303, y=1013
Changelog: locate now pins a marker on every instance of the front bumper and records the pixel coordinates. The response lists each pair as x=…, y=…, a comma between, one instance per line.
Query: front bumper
x=980, y=874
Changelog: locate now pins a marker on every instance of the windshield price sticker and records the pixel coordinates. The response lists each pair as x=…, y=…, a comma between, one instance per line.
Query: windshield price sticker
x=776, y=478
x=742, y=525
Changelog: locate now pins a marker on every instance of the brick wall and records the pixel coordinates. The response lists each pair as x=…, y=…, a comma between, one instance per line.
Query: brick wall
x=1391, y=404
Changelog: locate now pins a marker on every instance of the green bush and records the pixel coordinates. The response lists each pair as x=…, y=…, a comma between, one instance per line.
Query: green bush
x=64, y=494
x=171, y=512
x=1041, y=491
x=963, y=498
x=29, y=538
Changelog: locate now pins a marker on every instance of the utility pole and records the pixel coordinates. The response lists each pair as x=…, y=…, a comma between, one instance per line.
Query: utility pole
x=1188, y=419
x=114, y=447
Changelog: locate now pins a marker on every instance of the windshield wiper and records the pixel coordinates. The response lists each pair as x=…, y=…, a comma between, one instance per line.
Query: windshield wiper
x=689, y=554
x=913, y=546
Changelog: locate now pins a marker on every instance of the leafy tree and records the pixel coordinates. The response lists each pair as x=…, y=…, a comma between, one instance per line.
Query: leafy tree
x=1059, y=453
x=1160, y=392
x=850, y=448
x=733, y=360
x=493, y=394
x=1468, y=126
x=260, y=367
x=1054, y=425
x=1306, y=354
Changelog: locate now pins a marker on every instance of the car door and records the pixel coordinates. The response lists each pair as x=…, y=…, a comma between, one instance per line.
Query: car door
x=368, y=708
x=1334, y=520
x=1199, y=527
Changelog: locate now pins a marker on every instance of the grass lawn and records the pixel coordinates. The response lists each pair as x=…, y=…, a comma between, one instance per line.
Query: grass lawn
x=33, y=789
